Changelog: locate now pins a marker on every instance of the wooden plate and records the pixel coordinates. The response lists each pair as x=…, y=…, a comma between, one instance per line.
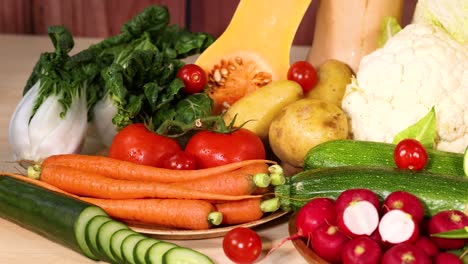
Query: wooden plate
x=175, y=234
x=301, y=246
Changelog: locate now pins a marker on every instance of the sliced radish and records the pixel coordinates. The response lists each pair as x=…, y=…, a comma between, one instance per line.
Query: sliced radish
x=446, y=258
x=362, y=250
x=359, y=218
x=328, y=242
x=405, y=253
x=405, y=201
x=397, y=226
x=445, y=221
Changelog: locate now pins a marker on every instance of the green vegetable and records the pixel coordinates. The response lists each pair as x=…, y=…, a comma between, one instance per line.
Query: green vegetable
x=437, y=192
x=389, y=27
x=346, y=152
x=465, y=162
x=424, y=131
x=456, y=233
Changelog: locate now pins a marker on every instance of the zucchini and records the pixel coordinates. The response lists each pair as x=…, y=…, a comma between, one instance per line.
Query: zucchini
x=348, y=152
x=185, y=255
x=437, y=192
x=53, y=215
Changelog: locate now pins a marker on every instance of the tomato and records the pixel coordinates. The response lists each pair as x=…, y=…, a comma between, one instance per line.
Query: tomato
x=194, y=78
x=242, y=245
x=180, y=160
x=304, y=74
x=410, y=154
x=213, y=149
x=135, y=143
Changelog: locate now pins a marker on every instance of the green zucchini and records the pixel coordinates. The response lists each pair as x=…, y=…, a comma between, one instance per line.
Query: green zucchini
x=347, y=152
x=437, y=192
x=53, y=215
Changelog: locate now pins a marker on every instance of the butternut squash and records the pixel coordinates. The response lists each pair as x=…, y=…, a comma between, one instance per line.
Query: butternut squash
x=253, y=50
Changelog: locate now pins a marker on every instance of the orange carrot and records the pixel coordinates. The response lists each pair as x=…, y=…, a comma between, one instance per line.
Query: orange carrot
x=169, y=213
x=125, y=170
x=91, y=184
x=240, y=212
x=236, y=182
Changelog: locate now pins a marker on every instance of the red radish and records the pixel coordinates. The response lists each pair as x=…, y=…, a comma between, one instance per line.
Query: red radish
x=445, y=221
x=397, y=226
x=447, y=258
x=405, y=201
x=314, y=213
x=427, y=245
x=359, y=218
x=328, y=242
x=350, y=196
x=362, y=250
x=405, y=254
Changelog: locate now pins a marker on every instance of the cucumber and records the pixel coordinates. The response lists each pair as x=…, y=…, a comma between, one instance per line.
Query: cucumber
x=91, y=232
x=337, y=153
x=185, y=255
x=465, y=162
x=128, y=247
x=437, y=192
x=53, y=215
x=104, y=235
x=141, y=248
x=116, y=243
x=155, y=252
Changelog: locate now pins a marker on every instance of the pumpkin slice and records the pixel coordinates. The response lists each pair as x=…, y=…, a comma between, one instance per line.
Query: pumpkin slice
x=253, y=50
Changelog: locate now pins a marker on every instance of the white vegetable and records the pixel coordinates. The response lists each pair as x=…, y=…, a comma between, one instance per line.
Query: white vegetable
x=420, y=67
x=103, y=112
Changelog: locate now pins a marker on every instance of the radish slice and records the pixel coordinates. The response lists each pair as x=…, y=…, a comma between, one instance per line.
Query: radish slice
x=361, y=218
x=397, y=226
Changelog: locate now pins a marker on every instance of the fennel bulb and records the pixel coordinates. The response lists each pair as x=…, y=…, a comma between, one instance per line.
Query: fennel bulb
x=104, y=111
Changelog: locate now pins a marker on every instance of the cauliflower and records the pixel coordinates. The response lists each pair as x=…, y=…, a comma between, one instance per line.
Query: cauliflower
x=421, y=67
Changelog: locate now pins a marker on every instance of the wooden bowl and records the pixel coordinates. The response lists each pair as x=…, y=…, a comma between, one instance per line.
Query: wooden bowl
x=306, y=252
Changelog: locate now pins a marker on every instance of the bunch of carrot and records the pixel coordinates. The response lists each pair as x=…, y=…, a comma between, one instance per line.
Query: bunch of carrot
x=185, y=199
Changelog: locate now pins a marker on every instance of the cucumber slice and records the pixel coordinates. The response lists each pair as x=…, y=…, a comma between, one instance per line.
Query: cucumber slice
x=104, y=235
x=465, y=162
x=80, y=228
x=128, y=247
x=139, y=253
x=155, y=252
x=91, y=232
x=116, y=243
x=185, y=255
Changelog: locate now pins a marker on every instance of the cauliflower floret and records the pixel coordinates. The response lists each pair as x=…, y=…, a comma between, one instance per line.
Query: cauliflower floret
x=418, y=68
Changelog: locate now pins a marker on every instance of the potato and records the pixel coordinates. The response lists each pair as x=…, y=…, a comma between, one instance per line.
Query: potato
x=303, y=125
x=261, y=106
x=333, y=77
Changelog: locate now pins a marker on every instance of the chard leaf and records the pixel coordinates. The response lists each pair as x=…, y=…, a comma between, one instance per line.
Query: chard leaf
x=424, y=130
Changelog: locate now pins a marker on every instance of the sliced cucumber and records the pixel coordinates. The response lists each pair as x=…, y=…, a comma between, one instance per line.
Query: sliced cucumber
x=80, y=228
x=91, y=232
x=128, y=247
x=185, y=255
x=139, y=253
x=104, y=235
x=116, y=243
x=465, y=162
x=155, y=252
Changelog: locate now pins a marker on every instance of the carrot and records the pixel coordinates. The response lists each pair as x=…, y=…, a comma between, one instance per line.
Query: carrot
x=240, y=212
x=84, y=183
x=169, y=213
x=236, y=182
x=125, y=170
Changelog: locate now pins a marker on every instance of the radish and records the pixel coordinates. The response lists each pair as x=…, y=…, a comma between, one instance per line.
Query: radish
x=405, y=253
x=397, y=226
x=350, y=196
x=445, y=221
x=359, y=218
x=328, y=242
x=362, y=250
x=313, y=214
x=427, y=245
x=446, y=258
x=406, y=202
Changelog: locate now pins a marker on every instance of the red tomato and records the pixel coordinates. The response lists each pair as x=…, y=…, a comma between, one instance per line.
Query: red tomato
x=180, y=160
x=242, y=245
x=194, y=78
x=135, y=143
x=213, y=149
x=410, y=154
x=304, y=74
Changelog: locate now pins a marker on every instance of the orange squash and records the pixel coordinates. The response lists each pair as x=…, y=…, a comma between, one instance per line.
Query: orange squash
x=253, y=50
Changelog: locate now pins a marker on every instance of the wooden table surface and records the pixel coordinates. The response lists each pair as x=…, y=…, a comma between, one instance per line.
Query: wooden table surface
x=18, y=55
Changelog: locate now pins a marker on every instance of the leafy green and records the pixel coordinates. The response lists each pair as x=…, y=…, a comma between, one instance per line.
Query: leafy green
x=455, y=233
x=424, y=130
x=389, y=27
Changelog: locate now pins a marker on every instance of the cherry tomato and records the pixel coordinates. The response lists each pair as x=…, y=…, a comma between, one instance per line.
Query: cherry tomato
x=213, y=149
x=135, y=143
x=242, y=245
x=194, y=78
x=304, y=74
x=410, y=154
x=180, y=160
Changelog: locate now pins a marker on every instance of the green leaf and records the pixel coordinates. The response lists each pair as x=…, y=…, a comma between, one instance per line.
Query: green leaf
x=460, y=233
x=424, y=130
x=389, y=27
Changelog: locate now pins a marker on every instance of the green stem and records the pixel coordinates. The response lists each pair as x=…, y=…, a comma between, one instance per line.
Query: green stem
x=270, y=205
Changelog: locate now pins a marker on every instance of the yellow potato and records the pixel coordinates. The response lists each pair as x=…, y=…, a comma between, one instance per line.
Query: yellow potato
x=303, y=125
x=261, y=106
x=333, y=76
